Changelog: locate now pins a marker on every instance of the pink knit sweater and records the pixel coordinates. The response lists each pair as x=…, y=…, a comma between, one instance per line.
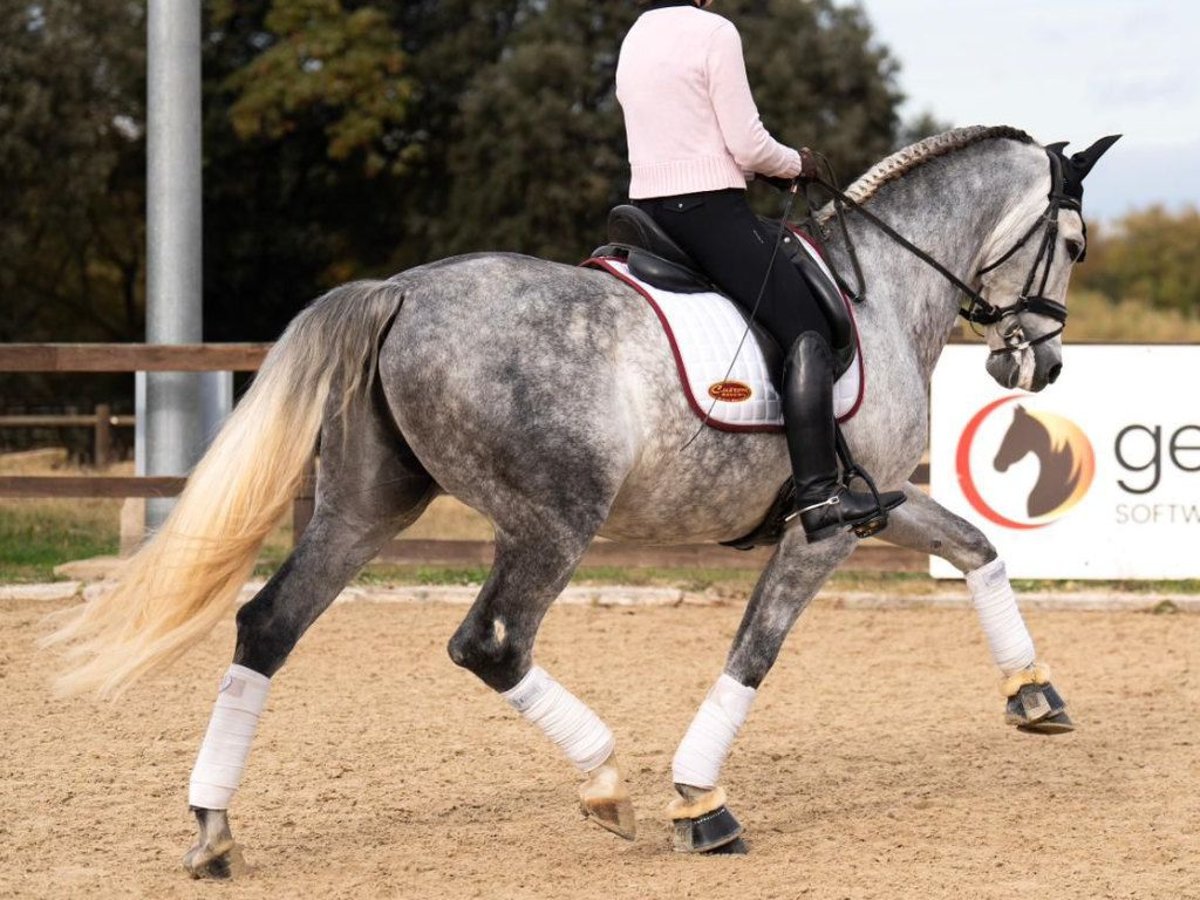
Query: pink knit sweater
x=689, y=115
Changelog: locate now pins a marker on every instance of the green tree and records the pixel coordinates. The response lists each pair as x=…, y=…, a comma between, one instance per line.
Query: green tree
x=343, y=68
x=539, y=152
x=821, y=79
x=306, y=142
x=353, y=137
x=72, y=164
x=449, y=43
x=72, y=168
x=285, y=215
x=1149, y=256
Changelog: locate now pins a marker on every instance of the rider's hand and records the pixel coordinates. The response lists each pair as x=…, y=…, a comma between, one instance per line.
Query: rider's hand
x=788, y=180
x=808, y=165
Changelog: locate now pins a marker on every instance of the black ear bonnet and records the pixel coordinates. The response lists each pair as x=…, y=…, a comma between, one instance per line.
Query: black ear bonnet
x=1067, y=174
x=1075, y=167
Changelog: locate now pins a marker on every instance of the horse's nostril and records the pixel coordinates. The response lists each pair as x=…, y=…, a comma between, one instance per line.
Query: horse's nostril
x=1055, y=371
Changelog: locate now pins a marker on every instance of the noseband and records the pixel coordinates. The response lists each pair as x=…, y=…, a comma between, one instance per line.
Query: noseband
x=977, y=309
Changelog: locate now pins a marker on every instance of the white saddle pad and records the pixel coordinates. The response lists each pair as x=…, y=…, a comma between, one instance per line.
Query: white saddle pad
x=704, y=331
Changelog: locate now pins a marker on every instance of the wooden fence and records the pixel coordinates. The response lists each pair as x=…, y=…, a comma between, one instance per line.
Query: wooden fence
x=115, y=358
x=102, y=422
x=132, y=357
x=871, y=555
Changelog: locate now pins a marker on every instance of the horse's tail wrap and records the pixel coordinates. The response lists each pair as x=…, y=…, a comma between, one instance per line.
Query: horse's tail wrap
x=172, y=592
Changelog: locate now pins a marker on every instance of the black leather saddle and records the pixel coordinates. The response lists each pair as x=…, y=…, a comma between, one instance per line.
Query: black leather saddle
x=656, y=259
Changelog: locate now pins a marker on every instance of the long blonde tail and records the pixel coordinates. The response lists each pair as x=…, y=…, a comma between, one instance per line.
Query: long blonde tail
x=173, y=591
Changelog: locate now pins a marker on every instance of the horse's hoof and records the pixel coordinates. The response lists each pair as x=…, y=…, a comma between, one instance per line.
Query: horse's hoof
x=218, y=863
x=214, y=855
x=605, y=800
x=1038, y=708
x=712, y=832
x=1056, y=724
x=615, y=815
x=703, y=823
x=736, y=847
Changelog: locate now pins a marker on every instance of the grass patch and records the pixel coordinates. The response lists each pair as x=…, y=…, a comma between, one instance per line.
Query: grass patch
x=722, y=582
x=37, y=535
x=1181, y=586
x=738, y=583
x=36, y=538
x=384, y=575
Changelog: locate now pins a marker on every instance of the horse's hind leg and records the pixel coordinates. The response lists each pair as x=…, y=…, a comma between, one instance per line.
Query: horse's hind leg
x=1032, y=703
x=791, y=579
x=370, y=487
x=534, y=561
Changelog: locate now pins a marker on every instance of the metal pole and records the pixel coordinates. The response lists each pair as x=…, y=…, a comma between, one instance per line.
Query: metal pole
x=173, y=235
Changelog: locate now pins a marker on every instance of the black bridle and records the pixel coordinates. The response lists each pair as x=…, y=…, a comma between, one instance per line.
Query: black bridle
x=976, y=309
x=1037, y=304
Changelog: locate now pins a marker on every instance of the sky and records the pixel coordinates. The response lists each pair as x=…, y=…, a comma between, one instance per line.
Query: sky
x=1072, y=70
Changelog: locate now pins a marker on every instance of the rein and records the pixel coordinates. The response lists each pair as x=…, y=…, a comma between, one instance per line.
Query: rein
x=977, y=309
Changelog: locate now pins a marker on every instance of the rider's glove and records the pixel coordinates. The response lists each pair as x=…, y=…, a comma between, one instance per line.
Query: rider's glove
x=808, y=165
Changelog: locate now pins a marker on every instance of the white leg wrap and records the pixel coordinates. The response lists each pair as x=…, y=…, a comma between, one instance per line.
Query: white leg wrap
x=703, y=749
x=564, y=718
x=222, y=758
x=1007, y=636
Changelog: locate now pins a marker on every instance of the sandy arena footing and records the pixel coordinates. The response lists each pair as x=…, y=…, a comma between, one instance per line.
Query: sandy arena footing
x=874, y=765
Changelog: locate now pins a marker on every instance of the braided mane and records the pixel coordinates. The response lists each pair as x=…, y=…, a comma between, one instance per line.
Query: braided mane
x=904, y=161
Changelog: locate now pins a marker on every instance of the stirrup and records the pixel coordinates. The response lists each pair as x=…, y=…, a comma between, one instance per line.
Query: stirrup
x=871, y=526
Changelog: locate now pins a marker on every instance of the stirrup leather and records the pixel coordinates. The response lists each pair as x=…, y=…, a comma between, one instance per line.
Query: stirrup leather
x=877, y=522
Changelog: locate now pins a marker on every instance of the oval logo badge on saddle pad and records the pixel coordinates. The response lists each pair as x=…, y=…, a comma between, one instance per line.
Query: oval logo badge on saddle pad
x=730, y=391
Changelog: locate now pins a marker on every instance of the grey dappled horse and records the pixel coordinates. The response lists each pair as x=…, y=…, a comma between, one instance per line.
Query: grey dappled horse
x=546, y=397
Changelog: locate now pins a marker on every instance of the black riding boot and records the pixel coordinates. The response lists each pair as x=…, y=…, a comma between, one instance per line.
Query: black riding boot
x=824, y=504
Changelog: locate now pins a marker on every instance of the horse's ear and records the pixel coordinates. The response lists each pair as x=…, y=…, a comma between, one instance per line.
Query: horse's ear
x=1083, y=161
x=1057, y=147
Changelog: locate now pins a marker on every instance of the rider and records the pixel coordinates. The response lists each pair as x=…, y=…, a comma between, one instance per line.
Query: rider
x=694, y=135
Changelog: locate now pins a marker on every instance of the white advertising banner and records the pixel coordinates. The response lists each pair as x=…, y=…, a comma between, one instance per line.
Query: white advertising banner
x=1097, y=476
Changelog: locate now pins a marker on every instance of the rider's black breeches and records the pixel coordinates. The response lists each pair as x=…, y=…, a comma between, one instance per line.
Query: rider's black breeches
x=721, y=233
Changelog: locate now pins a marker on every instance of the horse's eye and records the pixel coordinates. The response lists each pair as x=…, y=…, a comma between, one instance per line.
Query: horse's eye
x=1075, y=249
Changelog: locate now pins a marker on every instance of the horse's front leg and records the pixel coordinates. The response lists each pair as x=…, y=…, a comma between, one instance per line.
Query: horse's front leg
x=1032, y=703
x=702, y=822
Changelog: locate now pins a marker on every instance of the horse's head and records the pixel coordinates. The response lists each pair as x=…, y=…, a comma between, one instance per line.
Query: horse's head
x=1031, y=256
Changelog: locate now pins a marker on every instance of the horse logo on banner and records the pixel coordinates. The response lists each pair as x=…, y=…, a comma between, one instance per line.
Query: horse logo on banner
x=1066, y=464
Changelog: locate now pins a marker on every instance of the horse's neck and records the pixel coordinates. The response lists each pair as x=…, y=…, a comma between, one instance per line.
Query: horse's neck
x=1056, y=463
x=954, y=212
